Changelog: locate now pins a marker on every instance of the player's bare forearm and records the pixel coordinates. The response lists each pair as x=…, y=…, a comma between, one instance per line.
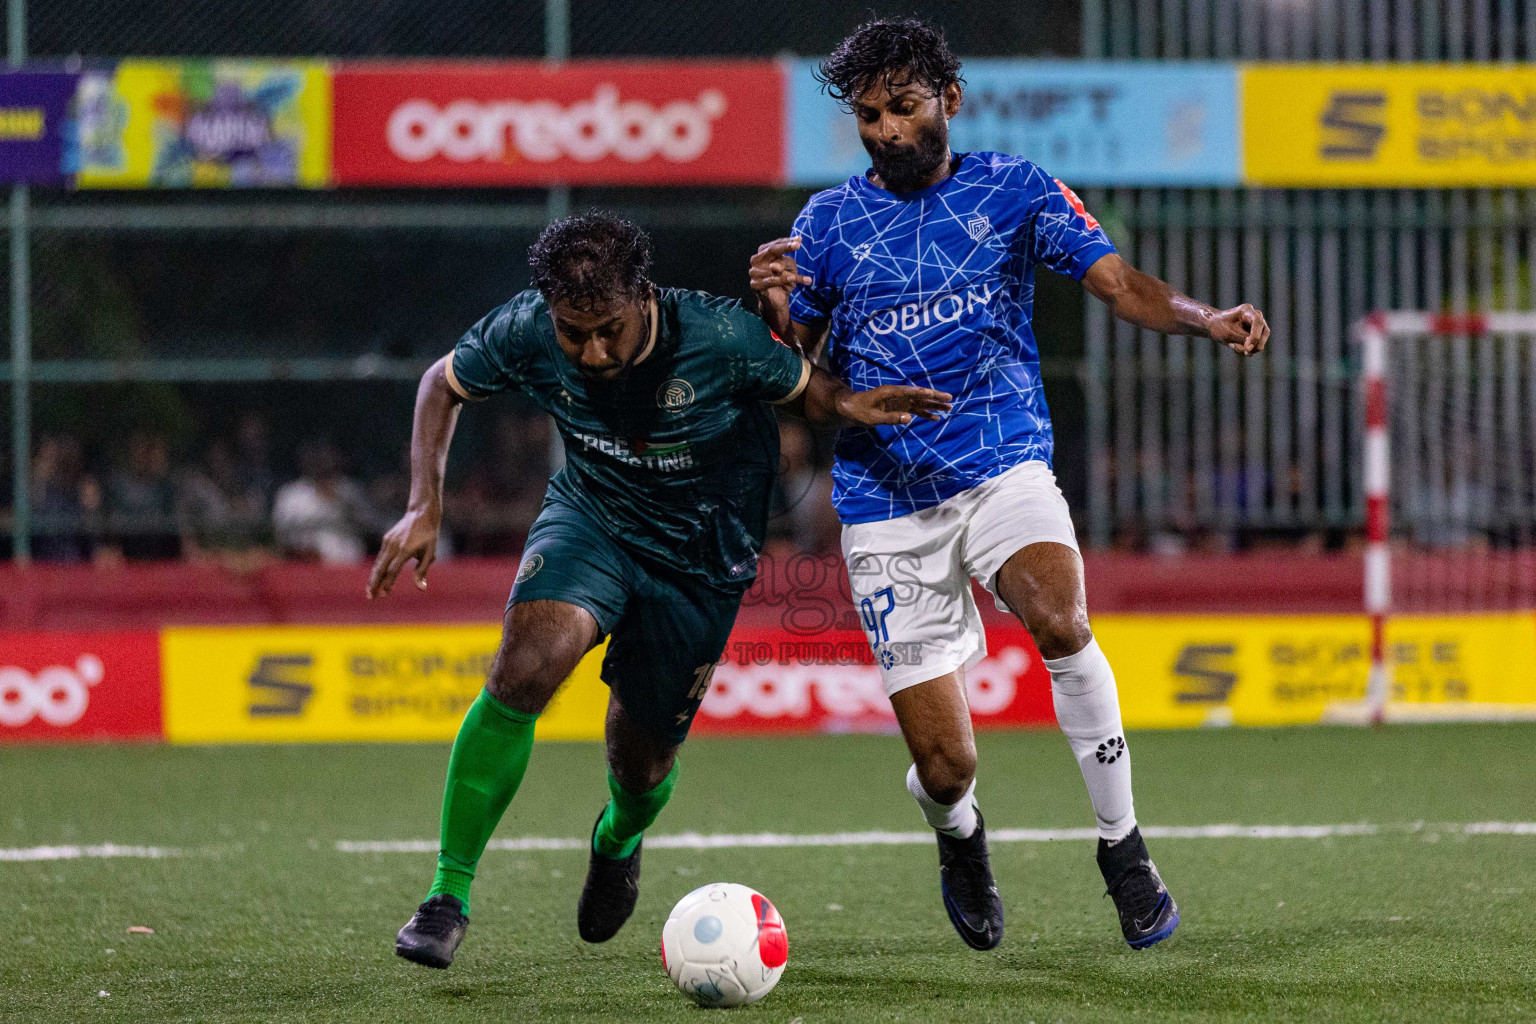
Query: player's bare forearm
x=437, y=413
x=414, y=537
x=829, y=402
x=1151, y=303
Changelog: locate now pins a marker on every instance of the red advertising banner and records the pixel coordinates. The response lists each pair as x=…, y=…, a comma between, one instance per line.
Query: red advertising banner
x=772, y=680
x=79, y=686
x=529, y=123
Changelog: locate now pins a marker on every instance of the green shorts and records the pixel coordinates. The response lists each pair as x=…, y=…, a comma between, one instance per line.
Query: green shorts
x=666, y=631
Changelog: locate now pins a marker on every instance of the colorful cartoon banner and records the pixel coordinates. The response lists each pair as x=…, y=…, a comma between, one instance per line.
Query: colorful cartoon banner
x=35, y=129
x=1088, y=123
x=205, y=124
x=436, y=123
x=1386, y=125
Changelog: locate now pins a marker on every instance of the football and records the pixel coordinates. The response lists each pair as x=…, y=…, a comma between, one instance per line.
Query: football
x=724, y=945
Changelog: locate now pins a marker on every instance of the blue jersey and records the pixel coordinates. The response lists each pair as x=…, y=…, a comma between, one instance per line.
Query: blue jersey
x=935, y=288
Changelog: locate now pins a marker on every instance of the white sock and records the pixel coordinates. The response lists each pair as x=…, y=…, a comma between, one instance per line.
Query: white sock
x=1088, y=711
x=957, y=819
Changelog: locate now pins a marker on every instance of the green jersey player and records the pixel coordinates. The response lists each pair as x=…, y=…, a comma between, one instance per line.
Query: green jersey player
x=649, y=535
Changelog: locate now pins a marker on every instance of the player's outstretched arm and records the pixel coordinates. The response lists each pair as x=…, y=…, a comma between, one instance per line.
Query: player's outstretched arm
x=828, y=401
x=414, y=537
x=1145, y=301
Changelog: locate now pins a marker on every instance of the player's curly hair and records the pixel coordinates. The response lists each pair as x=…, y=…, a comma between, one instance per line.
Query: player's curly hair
x=590, y=260
x=886, y=51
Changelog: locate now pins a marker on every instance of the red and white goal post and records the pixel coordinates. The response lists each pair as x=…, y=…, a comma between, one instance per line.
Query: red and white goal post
x=1449, y=481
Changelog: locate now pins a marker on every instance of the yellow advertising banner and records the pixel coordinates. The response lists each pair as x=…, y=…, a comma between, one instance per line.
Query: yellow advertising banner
x=1183, y=671
x=411, y=683
x=1389, y=125
x=323, y=684
x=205, y=124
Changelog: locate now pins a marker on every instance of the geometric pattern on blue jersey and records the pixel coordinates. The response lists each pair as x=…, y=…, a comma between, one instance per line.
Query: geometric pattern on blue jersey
x=936, y=288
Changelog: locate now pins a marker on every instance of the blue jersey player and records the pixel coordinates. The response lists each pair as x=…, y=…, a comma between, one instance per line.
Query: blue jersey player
x=921, y=271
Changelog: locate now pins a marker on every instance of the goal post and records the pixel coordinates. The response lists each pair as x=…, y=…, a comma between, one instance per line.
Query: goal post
x=1448, y=477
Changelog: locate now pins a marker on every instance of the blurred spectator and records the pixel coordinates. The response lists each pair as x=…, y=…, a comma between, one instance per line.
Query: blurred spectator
x=492, y=511
x=66, y=502
x=802, y=500
x=220, y=510
x=324, y=514
x=141, y=500
x=252, y=460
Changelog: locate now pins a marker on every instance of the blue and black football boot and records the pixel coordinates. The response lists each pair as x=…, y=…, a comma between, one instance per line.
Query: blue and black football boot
x=970, y=894
x=1148, y=914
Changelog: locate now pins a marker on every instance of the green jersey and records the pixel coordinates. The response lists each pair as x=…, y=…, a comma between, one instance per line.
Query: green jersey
x=678, y=458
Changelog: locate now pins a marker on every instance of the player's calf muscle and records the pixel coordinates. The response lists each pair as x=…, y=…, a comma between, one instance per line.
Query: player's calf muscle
x=541, y=643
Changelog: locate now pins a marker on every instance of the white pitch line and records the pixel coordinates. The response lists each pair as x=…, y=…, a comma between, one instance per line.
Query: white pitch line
x=33, y=853
x=765, y=840
x=759, y=840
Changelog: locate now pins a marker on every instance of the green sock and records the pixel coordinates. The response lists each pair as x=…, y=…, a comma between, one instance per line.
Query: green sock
x=487, y=764
x=629, y=814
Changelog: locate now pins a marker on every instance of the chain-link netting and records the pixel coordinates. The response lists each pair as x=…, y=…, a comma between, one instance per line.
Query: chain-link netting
x=286, y=28
x=487, y=28
x=812, y=27
x=152, y=468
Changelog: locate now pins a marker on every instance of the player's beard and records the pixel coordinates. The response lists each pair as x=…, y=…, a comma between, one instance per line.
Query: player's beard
x=904, y=168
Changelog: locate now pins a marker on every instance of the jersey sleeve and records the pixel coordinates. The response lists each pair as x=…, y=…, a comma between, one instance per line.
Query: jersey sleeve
x=761, y=366
x=809, y=303
x=1066, y=237
x=485, y=360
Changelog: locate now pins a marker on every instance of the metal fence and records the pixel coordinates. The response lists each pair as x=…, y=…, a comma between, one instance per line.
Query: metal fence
x=1186, y=443
x=1183, y=444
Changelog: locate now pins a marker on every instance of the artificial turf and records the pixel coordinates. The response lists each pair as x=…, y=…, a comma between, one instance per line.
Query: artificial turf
x=261, y=918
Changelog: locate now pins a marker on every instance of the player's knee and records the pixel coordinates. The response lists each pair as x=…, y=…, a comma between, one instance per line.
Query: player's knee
x=525, y=678
x=946, y=773
x=640, y=775
x=1060, y=632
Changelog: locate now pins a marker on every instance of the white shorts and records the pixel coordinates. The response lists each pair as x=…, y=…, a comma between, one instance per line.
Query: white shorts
x=911, y=577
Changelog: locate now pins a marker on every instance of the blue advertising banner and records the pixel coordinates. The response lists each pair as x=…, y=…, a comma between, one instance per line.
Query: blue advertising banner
x=1111, y=123
x=34, y=110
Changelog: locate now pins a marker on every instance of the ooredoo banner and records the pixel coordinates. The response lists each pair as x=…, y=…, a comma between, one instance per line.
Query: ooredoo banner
x=584, y=122
x=79, y=686
x=772, y=680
